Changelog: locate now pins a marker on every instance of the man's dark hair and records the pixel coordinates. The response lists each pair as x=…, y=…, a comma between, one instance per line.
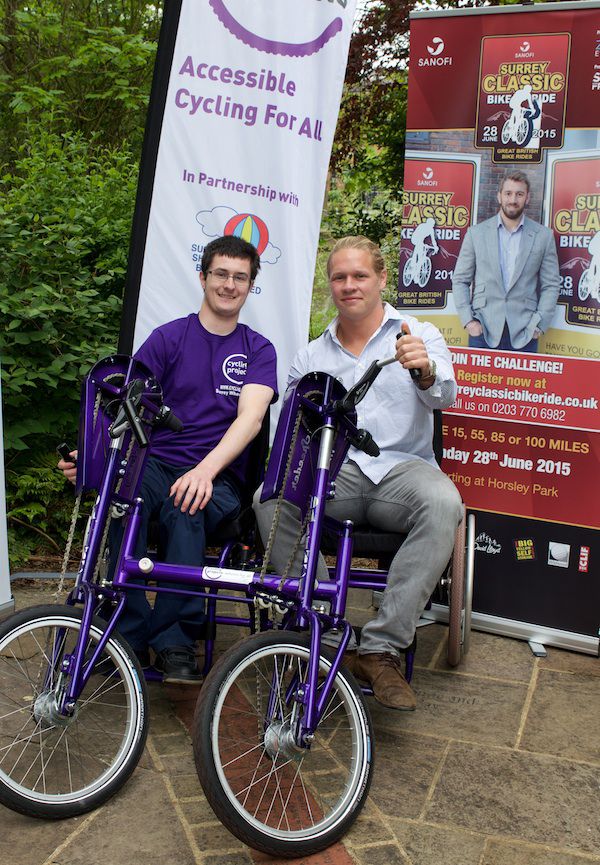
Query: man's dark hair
x=232, y=247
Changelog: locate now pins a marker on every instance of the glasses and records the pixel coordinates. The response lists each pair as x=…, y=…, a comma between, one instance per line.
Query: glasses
x=241, y=280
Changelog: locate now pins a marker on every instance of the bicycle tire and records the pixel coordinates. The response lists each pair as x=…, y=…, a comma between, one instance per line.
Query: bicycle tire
x=505, y=134
x=583, y=289
x=456, y=596
x=56, y=767
x=407, y=276
x=424, y=272
x=521, y=132
x=239, y=733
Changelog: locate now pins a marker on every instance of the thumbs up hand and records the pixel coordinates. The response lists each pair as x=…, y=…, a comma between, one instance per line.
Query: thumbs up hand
x=412, y=354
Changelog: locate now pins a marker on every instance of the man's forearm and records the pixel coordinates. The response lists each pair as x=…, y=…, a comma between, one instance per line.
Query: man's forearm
x=239, y=435
x=253, y=403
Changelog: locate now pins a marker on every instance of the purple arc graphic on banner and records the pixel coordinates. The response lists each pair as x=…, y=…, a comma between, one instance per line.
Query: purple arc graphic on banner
x=249, y=227
x=272, y=46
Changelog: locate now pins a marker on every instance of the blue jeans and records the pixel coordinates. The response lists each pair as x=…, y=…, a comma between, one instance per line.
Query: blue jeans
x=504, y=344
x=175, y=619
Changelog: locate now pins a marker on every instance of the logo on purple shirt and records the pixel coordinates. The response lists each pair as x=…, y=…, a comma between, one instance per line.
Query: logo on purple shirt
x=234, y=368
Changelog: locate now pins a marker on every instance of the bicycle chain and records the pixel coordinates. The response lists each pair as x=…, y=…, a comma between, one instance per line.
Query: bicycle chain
x=74, y=518
x=276, y=517
x=75, y=515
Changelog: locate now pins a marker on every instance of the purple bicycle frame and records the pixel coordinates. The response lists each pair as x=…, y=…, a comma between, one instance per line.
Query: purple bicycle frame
x=319, y=453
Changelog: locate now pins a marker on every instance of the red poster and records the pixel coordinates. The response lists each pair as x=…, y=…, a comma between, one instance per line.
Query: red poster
x=445, y=55
x=517, y=88
x=437, y=209
x=527, y=388
x=524, y=470
x=575, y=219
x=522, y=95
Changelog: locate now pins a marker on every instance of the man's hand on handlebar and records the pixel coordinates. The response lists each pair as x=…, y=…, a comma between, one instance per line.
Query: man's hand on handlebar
x=68, y=468
x=411, y=352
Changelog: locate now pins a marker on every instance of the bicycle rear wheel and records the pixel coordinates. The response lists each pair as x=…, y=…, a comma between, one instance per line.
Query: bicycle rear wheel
x=274, y=796
x=460, y=592
x=57, y=766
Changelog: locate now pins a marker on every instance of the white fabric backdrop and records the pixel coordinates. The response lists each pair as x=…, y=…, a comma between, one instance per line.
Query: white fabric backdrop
x=249, y=121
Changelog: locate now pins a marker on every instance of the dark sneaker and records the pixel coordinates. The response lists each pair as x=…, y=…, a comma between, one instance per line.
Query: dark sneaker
x=178, y=664
x=383, y=672
x=143, y=656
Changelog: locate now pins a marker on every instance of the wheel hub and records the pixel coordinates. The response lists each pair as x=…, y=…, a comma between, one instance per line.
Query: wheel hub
x=279, y=740
x=46, y=709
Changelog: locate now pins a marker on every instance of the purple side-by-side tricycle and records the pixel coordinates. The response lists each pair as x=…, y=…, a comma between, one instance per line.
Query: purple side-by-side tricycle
x=282, y=736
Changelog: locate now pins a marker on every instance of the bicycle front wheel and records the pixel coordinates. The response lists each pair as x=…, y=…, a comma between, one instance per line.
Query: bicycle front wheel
x=273, y=795
x=54, y=765
x=583, y=287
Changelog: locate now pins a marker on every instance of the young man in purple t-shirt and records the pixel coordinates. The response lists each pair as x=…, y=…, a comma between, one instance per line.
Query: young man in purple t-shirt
x=219, y=377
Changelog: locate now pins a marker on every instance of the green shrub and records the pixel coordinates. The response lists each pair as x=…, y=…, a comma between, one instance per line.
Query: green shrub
x=65, y=220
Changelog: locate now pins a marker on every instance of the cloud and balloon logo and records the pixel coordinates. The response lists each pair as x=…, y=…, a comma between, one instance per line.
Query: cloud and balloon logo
x=249, y=227
x=225, y=220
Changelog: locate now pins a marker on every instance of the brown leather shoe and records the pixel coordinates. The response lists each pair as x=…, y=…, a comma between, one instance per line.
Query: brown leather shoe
x=382, y=670
x=349, y=660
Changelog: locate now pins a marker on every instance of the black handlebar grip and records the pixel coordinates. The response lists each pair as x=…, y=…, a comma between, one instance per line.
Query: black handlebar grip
x=135, y=424
x=371, y=448
x=415, y=374
x=171, y=421
x=364, y=441
x=64, y=452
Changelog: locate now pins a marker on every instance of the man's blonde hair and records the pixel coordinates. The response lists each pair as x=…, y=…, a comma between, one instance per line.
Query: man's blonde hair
x=358, y=241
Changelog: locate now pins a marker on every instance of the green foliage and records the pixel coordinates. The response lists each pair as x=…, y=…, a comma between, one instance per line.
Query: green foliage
x=39, y=511
x=65, y=219
x=64, y=230
x=73, y=67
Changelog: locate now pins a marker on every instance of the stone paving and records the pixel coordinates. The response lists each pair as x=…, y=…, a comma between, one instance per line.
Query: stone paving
x=499, y=765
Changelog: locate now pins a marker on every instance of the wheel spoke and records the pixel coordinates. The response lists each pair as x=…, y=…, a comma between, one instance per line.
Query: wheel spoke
x=72, y=762
x=283, y=793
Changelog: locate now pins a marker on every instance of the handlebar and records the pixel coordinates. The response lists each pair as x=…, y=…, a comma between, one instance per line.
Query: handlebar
x=358, y=390
x=166, y=418
x=128, y=417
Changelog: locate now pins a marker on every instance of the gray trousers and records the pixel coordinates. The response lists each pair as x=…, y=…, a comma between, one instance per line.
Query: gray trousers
x=414, y=498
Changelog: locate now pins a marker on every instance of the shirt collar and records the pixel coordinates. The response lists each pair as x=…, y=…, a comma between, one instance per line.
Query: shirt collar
x=389, y=314
x=502, y=225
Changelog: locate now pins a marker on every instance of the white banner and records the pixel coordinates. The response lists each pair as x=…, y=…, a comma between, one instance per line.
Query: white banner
x=248, y=125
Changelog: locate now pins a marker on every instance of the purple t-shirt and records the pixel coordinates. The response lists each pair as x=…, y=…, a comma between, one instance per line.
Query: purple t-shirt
x=202, y=374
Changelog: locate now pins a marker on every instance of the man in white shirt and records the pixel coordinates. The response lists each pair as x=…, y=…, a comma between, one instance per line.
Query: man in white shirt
x=402, y=490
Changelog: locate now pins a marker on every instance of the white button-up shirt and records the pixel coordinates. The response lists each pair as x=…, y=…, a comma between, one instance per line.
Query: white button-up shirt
x=395, y=412
x=509, y=243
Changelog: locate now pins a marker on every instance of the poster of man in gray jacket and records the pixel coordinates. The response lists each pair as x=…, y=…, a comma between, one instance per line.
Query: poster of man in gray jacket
x=506, y=280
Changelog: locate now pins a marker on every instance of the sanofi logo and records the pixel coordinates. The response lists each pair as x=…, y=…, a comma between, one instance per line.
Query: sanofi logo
x=437, y=46
x=524, y=50
x=435, y=51
x=428, y=178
